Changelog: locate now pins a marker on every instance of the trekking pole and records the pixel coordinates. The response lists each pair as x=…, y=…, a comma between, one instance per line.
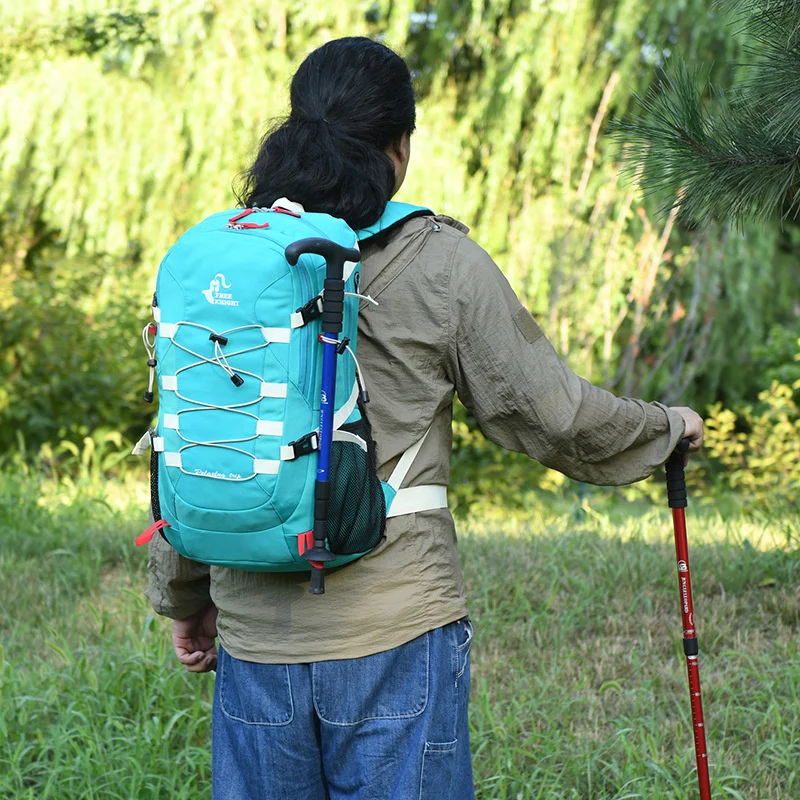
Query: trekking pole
x=676, y=492
x=332, y=312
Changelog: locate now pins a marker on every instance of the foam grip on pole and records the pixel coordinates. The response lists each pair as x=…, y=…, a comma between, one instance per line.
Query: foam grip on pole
x=332, y=306
x=676, y=482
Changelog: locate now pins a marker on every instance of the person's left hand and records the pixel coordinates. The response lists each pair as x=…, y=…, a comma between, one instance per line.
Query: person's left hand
x=194, y=640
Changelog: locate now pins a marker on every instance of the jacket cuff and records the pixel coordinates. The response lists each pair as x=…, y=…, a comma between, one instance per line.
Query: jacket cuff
x=177, y=587
x=654, y=424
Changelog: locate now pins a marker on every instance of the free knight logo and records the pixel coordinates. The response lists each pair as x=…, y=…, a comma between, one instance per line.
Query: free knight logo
x=215, y=295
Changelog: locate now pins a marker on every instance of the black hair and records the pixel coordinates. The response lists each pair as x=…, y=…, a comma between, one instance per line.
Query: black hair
x=350, y=100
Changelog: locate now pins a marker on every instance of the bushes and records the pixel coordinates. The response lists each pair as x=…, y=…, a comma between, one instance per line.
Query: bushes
x=758, y=446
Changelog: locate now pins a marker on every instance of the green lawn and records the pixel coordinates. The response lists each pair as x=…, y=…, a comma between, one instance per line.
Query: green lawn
x=579, y=682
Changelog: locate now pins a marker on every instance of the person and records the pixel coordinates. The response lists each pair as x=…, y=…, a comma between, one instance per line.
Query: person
x=363, y=693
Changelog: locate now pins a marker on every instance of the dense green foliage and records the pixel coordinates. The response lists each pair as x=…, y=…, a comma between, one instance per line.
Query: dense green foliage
x=760, y=446
x=578, y=678
x=120, y=126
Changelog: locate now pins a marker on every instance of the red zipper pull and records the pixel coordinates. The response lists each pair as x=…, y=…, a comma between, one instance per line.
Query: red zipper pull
x=279, y=210
x=240, y=215
x=145, y=536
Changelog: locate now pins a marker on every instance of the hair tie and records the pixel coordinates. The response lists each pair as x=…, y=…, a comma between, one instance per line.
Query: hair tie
x=305, y=118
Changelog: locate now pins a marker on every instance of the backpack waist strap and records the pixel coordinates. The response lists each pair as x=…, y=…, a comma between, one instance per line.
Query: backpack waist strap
x=418, y=498
x=413, y=498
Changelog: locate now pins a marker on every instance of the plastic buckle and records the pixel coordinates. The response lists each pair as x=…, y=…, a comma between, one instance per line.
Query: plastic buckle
x=305, y=445
x=311, y=310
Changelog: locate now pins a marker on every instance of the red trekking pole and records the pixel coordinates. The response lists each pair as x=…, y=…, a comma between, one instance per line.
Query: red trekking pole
x=676, y=491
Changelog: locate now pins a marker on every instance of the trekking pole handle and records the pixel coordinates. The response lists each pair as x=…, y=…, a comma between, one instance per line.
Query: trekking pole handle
x=334, y=254
x=676, y=481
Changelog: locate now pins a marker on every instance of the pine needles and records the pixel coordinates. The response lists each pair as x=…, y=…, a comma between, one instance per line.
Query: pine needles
x=728, y=156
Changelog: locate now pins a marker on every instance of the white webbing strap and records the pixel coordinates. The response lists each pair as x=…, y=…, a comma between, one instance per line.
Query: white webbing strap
x=273, y=389
x=404, y=464
x=167, y=330
x=156, y=314
x=144, y=444
x=173, y=460
x=280, y=335
x=346, y=436
x=418, y=498
x=265, y=466
x=172, y=422
x=158, y=444
x=169, y=383
x=268, y=427
x=340, y=417
x=414, y=498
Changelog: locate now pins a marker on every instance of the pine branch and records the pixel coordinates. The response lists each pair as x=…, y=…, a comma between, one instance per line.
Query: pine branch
x=732, y=157
x=766, y=20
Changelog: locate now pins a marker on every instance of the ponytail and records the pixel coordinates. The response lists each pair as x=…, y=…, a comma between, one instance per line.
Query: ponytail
x=351, y=99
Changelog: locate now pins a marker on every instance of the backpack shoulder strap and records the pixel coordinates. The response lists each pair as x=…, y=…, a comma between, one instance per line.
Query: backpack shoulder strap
x=394, y=215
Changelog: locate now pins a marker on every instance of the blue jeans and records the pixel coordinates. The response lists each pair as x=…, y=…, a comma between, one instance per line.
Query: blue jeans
x=391, y=726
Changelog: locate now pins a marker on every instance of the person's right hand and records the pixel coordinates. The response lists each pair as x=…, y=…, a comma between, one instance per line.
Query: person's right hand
x=194, y=640
x=694, y=427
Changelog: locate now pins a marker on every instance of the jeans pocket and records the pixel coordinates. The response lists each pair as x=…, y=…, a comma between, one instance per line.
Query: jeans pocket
x=465, y=633
x=388, y=685
x=438, y=763
x=255, y=694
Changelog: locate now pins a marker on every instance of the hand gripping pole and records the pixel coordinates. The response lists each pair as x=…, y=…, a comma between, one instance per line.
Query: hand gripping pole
x=332, y=312
x=676, y=493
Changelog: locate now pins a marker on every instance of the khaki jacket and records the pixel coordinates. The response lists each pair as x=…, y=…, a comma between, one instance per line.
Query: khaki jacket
x=447, y=322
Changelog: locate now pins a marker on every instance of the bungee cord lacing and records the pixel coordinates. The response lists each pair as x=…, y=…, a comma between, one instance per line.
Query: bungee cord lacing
x=220, y=360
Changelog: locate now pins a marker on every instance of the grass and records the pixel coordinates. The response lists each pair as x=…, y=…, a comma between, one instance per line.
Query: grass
x=578, y=676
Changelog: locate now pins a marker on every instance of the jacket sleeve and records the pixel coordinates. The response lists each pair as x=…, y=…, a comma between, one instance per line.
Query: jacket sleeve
x=526, y=399
x=177, y=587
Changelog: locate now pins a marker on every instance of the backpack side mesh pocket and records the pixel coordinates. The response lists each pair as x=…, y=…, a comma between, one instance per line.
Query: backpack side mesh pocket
x=357, y=510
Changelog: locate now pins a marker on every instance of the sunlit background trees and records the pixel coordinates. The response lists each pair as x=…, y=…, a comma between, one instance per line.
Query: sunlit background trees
x=121, y=125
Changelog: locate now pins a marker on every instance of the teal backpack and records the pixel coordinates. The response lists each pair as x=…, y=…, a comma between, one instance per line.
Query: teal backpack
x=237, y=347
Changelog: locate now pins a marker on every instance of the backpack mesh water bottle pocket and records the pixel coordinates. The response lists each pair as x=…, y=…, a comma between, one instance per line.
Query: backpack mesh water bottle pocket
x=357, y=511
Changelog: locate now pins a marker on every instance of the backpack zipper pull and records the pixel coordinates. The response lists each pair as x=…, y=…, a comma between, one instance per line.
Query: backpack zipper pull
x=149, y=331
x=145, y=536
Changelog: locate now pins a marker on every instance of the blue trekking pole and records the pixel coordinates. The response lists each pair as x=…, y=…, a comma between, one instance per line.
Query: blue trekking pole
x=332, y=310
